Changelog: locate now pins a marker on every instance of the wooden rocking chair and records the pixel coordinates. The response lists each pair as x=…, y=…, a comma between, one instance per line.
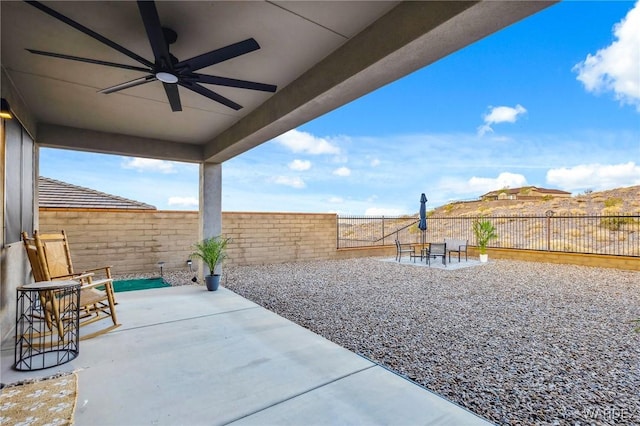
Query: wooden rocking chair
x=50, y=260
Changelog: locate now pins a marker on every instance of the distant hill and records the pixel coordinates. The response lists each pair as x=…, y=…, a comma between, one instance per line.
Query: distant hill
x=613, y=201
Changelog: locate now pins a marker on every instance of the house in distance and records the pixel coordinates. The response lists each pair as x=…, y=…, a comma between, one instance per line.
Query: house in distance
x=524, y=193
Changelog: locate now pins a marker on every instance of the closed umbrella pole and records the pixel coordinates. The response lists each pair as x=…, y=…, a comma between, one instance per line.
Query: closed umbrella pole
x=422, y=224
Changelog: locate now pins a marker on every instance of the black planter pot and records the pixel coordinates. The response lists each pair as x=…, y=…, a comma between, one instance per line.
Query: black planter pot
x=212, y=281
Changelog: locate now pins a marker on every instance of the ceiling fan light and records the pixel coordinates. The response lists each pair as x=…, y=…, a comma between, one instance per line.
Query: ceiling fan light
x=166, y=77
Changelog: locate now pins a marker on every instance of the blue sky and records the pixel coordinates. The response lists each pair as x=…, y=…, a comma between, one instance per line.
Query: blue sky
x=552, y=101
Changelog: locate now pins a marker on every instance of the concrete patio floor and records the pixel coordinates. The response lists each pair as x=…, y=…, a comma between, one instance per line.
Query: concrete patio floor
x=454, y=265
x=187, y=356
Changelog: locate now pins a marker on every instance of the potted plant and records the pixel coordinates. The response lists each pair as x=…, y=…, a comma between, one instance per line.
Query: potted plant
x=212, y=251
x=484, y=232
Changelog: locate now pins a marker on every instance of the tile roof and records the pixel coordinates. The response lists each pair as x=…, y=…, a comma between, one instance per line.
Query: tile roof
x=56, y=194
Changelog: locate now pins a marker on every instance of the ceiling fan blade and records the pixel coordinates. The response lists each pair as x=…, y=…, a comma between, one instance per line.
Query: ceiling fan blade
x=90, y=61
x=128, y=84
x=210, y=94
x=89, y=32
x=232, y=82
x=219, y=55
x=173, y=96
x=159, y=45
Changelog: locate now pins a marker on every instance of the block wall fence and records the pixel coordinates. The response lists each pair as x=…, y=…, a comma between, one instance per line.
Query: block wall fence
x=136, y=241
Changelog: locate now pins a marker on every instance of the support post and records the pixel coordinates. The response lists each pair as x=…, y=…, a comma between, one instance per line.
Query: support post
x=210, y=222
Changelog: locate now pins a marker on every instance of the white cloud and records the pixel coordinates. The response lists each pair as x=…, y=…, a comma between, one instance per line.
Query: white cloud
x=148, y=165
x=501, y=114
x=375, y=162
x=300, y=165
x=616, y=68
x=183, y=201
x=595, y=176
x=306, y=143
x=294, y=182
x=342, y=171
x=504, y=180
x=336, y=200
x=383, y=211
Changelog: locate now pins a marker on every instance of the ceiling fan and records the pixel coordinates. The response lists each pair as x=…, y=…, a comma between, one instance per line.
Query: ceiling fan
x=165, y=67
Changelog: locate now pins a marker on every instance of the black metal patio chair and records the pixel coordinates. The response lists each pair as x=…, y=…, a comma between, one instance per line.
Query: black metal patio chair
x=404, y=248
x=437, y=250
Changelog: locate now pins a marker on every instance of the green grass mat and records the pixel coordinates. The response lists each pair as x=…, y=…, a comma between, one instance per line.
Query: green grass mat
x=139, y=284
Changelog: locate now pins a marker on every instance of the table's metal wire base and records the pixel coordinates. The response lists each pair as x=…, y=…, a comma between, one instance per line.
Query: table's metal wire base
x=44, y=337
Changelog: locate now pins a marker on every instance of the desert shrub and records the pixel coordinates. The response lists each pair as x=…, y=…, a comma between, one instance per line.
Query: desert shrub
x=612, y=202
x=539, y=243
x=575, y=233
x=533, y=229
x=547, y=198
x=614, y=223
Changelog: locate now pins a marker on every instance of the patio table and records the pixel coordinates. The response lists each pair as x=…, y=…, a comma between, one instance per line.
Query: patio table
x=424, y=250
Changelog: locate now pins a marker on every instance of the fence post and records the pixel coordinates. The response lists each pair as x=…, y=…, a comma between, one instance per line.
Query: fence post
x=382, y=230
x=548, y=214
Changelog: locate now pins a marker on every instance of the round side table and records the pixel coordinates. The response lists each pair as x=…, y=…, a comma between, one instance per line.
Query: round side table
x=47, y=323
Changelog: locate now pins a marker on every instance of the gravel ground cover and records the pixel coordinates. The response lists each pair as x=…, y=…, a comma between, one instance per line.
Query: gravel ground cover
x=518, y=343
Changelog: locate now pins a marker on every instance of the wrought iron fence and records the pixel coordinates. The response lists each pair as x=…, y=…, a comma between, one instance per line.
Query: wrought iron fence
x=369, y=231
x=599, y=234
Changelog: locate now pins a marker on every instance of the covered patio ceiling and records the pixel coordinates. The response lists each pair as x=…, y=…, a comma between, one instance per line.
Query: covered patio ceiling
x=320, y=55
